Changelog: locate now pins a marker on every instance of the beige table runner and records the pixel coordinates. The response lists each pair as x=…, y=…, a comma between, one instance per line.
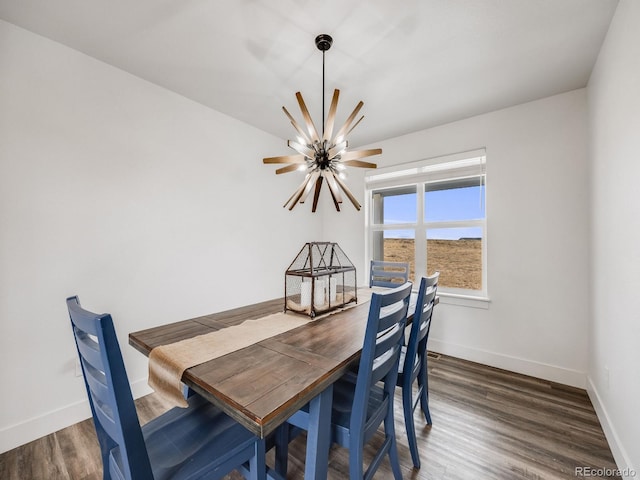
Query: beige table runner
x=167, y=363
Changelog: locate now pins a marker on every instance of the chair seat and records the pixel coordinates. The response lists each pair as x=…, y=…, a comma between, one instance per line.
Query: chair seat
x=343, y=392
x=183, y=442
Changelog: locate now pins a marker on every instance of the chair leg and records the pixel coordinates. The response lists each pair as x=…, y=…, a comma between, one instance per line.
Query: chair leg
x=257, y=465
x=319, y=435
x=395, y=460
x=356, y=459
x=282, y=449
x=423, y=382
x=390, y=431
x=407, y=407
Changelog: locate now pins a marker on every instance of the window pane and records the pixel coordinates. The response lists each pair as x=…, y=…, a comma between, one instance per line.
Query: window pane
x=457, y=254
x=395, y=206
x=456, y=200
x=395, y=246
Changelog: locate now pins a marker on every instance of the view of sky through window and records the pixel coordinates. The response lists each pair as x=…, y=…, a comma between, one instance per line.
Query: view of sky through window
x=466, y=203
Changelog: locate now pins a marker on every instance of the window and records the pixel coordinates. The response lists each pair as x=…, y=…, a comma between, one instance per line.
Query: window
x=432, y=215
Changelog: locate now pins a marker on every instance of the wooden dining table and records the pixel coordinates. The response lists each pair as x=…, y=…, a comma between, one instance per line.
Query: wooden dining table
x=263, y=384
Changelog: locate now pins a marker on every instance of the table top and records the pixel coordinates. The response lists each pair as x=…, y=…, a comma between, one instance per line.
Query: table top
x=262, y=385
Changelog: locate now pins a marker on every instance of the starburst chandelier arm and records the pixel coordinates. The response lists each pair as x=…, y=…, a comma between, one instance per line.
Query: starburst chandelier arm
x=356, y=154
x=313, y=132
x=307, y=188
x=298, y=191
x=348, y=193
x=302, y=192
x=287, y=169
x=338, y=149
x=299, y=159
x=335, y=193
x=341, y=133
x=331, y=117
x=297, y=126
x=354, y=126
x=303, y=135
x=359, y=164
x=302, y=149
x=316, y=195
x=333, y=187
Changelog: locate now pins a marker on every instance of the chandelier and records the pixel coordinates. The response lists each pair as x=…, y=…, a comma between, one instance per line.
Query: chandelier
x=322, y=156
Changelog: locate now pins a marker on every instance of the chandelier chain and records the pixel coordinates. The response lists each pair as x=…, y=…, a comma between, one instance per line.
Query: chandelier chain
x=323, y=51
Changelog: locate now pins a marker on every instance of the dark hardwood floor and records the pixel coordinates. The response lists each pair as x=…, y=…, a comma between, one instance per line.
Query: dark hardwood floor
x=487, y=424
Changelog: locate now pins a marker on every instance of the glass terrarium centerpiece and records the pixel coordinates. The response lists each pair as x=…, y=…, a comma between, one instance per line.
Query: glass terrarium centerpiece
x=320, y=279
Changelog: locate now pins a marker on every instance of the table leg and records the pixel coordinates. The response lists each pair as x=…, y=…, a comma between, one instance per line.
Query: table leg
x=319, y=436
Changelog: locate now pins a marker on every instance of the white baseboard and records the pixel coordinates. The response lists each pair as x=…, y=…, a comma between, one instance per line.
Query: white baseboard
x=627, y=470
x=26, y=431
x=545, y=371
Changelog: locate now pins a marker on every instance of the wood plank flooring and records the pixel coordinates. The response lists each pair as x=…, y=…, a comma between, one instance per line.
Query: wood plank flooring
x=487, y=424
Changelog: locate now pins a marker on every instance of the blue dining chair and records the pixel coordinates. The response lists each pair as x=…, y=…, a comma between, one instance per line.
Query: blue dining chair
x=413, y=362
x=388, y=274
x=196, y=442
x=362, y=403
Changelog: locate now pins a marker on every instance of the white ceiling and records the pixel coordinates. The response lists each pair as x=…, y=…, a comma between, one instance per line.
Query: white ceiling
x=414, y=63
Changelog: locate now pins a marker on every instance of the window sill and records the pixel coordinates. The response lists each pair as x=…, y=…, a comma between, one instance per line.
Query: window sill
x=464, y=300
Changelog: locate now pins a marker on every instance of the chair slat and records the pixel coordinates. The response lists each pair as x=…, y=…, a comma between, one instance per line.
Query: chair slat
x=388, y=274
x=89, y=350
x=97, y=384
x=105, y=417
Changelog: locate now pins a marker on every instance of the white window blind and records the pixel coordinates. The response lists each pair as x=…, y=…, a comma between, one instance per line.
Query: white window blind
x=459, y=165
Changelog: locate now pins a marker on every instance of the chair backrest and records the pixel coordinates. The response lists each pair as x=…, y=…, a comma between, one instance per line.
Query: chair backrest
x=380, y=356
x=114, y=413
x=419, y=334
x=388, y=274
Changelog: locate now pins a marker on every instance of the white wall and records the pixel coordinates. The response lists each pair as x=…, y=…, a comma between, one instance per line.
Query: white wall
x=538, y=227
x=143, y=203
x=614, y=121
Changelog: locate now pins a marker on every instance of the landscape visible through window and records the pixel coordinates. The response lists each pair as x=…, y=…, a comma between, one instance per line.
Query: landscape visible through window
x=452, y=230
x=458, y=261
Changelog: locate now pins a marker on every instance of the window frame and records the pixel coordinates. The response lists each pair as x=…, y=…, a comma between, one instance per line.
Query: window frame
x=450, y=168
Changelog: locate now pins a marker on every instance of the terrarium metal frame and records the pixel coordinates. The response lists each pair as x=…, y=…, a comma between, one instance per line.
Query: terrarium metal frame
x=320, y=279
